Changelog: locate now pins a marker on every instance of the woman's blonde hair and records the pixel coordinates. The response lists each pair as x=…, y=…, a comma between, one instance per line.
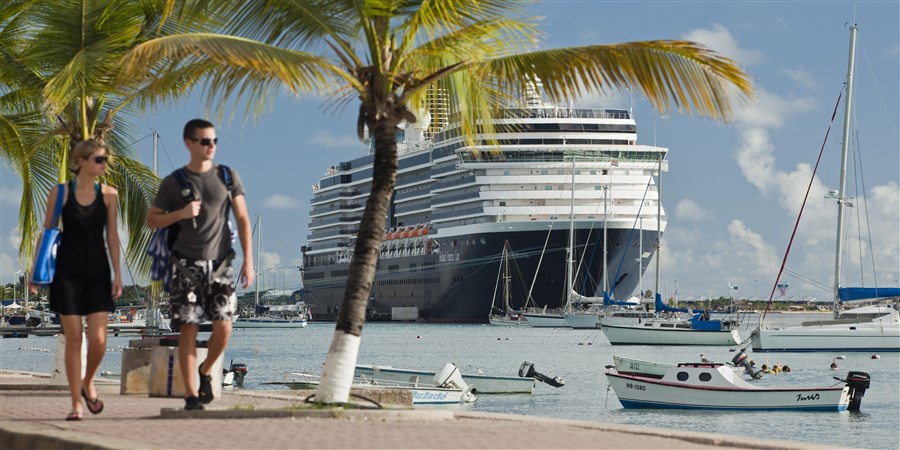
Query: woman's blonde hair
x=84, y=149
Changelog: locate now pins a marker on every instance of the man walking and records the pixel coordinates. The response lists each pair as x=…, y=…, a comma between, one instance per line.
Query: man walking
x=196, y=200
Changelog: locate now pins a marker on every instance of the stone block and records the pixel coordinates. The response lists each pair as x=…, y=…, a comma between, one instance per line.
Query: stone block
x=135, y=371
x=165, y=372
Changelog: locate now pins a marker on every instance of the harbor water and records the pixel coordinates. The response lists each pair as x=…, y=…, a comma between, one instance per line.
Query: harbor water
x=578, y=356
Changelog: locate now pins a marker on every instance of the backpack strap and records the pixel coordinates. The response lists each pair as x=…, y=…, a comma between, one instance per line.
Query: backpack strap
x=187, y=191
x=225, y=175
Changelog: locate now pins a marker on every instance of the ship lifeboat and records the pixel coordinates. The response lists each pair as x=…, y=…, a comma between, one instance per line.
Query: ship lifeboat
x=390, y=234
x=405, y=233
x=424, y=230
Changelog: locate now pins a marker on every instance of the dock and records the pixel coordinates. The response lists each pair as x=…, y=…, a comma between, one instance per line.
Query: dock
x=32, y=413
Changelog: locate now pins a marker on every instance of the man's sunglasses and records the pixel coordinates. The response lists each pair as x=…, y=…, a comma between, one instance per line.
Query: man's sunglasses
x=206, y=142
x=100, y=159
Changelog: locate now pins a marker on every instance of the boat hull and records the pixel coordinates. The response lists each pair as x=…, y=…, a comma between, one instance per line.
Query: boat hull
x=480, y=384
x=635, y=335
x=859, y=337
x=264, y=322
x=583, y=321
x=452, y=289
x=641, y=392
x=548, y=320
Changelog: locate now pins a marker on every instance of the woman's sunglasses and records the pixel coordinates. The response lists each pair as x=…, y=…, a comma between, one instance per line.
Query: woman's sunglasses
x=100, y=159
x=206, y=142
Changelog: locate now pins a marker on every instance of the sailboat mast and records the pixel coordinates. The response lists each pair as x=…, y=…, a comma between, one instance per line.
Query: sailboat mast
x=658, y=220
x=256, y=269
x=842, y=186
x=506, y=277
x=570, y=270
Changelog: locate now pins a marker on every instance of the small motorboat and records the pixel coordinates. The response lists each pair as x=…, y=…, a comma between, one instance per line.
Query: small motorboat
x=717, y=386
x=446, y=387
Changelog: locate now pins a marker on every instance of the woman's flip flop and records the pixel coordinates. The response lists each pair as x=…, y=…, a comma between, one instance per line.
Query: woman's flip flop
x=95, y=406
x=74, y=416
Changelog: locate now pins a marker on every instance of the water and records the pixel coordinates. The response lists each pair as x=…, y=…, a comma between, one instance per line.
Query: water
x=500, y=351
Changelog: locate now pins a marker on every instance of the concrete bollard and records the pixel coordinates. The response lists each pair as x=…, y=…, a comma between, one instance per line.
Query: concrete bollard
x=58, y=376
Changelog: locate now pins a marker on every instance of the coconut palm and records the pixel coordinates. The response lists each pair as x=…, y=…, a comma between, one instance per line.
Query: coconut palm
x=58, y=87
x=387, y=53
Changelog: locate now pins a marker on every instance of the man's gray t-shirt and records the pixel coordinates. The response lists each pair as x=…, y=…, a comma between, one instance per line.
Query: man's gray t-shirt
x=211, y=239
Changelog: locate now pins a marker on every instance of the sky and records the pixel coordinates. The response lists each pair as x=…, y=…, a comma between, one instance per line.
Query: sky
x=733, y=191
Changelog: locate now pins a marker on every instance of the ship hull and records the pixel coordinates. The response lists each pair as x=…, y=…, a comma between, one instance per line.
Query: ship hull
x=456, y=283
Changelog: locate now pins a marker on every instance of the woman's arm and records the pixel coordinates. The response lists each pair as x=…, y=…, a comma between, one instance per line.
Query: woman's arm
x=111, y=198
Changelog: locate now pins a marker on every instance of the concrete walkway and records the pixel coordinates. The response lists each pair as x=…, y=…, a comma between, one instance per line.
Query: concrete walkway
x=32, y=413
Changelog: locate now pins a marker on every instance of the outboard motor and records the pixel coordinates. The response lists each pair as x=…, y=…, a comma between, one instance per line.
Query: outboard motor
x=450, y=378
x=240, y=371
x=858, y=383
x=742, y=360
x=527, y=371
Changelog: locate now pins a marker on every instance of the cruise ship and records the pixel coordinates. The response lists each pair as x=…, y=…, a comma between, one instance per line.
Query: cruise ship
x=545, y=170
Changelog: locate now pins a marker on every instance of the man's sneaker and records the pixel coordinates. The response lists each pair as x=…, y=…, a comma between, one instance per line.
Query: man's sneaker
x=205, y=391
x=192, y=404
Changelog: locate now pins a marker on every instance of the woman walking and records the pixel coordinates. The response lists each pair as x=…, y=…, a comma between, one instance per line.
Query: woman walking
x=81, y=284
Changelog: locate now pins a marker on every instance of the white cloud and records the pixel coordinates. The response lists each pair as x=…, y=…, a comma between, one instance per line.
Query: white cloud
x=279, y=201
x=719, y=39
x=14, y=238
x=689, y=210
x=800, y=76
x=9, y=265
x=10, y=196
x=331, y=139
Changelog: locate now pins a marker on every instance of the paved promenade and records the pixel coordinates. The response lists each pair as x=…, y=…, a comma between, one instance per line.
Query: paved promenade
x=32, y=413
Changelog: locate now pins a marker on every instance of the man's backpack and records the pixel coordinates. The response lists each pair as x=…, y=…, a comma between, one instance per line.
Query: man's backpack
x=160, y=246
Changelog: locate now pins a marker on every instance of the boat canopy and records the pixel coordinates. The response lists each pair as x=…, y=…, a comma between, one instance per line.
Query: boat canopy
x=859, y=293
x=609, y=302
x=662, y=307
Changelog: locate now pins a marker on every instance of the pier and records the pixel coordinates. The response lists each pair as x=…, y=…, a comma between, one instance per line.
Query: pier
x=32, y=413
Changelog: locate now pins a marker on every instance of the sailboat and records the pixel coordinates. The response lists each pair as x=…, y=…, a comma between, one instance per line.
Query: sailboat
x=555, y=318
x=668, y=325
x=508, y=317
x=867, y=329
x=275, y=316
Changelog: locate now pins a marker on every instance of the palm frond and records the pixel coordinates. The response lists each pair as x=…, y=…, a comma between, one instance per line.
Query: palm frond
x=671, y=74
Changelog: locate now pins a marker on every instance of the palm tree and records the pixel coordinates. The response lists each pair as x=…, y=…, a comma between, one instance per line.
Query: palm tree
x=387, y=53
x=58, y=86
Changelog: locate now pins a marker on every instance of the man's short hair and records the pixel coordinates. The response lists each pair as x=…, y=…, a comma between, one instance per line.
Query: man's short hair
x=196, y=124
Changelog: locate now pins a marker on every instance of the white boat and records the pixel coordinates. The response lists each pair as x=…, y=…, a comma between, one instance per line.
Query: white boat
x=671, y=328
x=717, y=386
x=640, y=367
x=507, y=317
x=853, y=330
x=481, y=384
x=445, y=387
x=278, y=316
x=544, y=318
x=866, y=329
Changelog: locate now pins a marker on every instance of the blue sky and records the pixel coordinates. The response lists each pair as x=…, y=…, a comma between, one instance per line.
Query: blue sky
x=733, y=191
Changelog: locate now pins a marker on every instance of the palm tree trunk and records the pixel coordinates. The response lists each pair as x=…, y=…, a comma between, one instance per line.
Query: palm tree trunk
x=337, y=374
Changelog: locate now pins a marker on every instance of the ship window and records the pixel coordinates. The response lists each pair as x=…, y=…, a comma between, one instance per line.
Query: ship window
x=502, y=203
x=705, y=376
x=560, y=172
x=548, y=188
x=605, y=172
x=543, y=172
x=593, y=172
x=505, y=172
x=682, y=376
